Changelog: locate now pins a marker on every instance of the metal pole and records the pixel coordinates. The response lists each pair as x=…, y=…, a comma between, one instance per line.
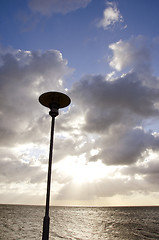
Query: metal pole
x=54, y=101
x=46, y=221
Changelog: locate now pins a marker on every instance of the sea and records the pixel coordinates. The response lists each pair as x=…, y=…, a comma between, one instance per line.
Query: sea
x=19, y=222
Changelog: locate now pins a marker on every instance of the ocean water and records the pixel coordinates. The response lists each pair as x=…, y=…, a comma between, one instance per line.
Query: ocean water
x=80, y=223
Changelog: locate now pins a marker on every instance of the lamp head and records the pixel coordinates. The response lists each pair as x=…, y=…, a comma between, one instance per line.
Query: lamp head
x=54, y=101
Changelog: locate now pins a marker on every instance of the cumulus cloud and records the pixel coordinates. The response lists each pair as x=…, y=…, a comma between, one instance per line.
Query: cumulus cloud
x=111, y=16
x=113, y=116
x=110, y=102
x=134, y=53
x=112, y=111
x=104, y=126
x=25, y=125
x=24, y=75
x=54, y=6
x=127, y=147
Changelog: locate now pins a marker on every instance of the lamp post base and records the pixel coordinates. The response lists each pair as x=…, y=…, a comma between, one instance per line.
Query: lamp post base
x=46, y=223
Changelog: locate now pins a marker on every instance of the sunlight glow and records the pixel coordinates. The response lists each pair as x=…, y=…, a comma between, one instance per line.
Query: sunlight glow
x=81, y=171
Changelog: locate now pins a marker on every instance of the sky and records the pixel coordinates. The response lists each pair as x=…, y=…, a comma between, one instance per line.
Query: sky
x=104, y=56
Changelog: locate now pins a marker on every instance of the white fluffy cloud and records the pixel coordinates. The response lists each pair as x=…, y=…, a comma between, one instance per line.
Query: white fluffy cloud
x=48, y=7
x=133, y=53
x=24, y=75
x=111, y=16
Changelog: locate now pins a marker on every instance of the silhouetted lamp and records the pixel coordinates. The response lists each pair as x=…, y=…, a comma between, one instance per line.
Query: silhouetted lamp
x=54, y=101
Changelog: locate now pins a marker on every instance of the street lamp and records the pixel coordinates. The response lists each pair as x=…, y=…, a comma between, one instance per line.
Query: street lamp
x=54, y=101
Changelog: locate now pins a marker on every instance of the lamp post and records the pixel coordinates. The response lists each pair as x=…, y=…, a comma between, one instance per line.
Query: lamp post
x=54, y=101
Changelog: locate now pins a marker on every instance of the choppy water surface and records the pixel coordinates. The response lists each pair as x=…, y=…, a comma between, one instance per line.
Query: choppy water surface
x=78, y=223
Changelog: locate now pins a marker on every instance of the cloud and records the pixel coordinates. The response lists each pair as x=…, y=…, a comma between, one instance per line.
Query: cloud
x=111, y=16
x=104, y=125
x=24, y=75
x=25, y=124
x=134, y=53
x=54, y=6
x=113, y=110
x=127, y=147
x=110, y=101
x=113, y=116
x=13, y=170
x=96, y=190
x=90, y=191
